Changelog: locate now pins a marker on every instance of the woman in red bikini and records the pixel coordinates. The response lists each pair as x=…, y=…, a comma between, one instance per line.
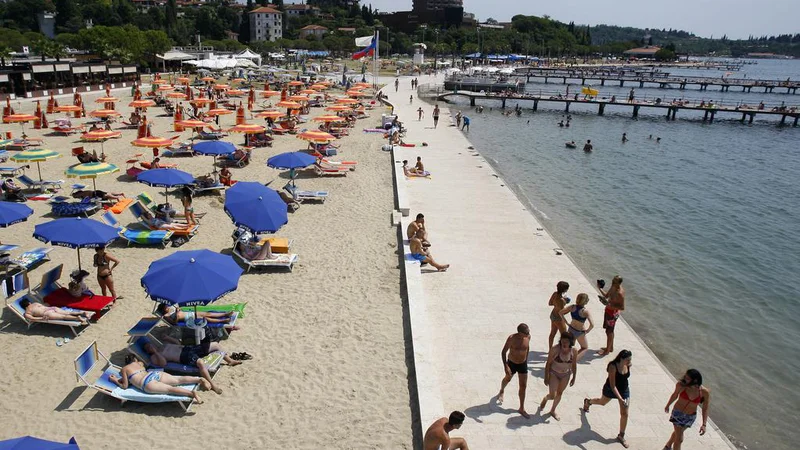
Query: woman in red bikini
x=689, y=393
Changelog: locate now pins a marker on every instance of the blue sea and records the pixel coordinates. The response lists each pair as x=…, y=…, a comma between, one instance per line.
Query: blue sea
x=704, y=226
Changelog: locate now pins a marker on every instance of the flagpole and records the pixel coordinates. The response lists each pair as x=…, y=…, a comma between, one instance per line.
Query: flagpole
x=375, y=60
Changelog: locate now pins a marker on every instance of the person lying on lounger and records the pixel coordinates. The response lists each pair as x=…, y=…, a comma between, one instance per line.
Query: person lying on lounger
x=190, y=355
x=102, y=195
x=173, y=315
x=422, y=255
x=161, y=224
x=252, y=250
x=412, y=171
x=37, y=312
x=134, y=373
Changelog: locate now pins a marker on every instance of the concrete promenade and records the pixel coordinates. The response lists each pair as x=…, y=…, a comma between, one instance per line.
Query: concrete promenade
x=503, y=270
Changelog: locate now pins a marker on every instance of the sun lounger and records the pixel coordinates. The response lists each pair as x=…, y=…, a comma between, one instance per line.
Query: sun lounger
x=232, y=160
x=3, y=155
x=301, y=196
x=22, y=144
x=17, y=309
x=201, y=189
x=9, y=171
x=147, y=201
x=121, y=205
x=212, y=136
x=32, y=258
x=284, y=260
x=66, y=131
x=141, y=237
x=324, y=169
x=138, y=210
x=85, y=207
x=89, y=360
x=30, y=183
x=213, y=361
x=49, y=291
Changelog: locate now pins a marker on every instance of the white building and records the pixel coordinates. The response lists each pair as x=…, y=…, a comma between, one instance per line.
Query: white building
x=266, y=24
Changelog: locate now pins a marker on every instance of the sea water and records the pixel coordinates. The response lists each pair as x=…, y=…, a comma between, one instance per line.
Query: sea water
x=704, y=226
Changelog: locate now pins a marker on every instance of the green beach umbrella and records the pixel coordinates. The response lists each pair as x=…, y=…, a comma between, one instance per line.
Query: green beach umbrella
x=90, y=170
x=36, y=155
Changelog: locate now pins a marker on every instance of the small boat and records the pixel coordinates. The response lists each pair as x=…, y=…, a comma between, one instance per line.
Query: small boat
x=571, y=145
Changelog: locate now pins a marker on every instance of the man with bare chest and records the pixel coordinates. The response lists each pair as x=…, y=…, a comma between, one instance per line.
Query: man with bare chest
x=515, y=360
x=437, y=437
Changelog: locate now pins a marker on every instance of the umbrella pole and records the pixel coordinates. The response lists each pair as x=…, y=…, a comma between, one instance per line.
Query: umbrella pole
x=94, y=185
x=79, y=258
x=39, y=168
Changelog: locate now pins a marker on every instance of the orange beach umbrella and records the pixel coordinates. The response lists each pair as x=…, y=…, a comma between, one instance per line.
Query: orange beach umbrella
x=152, y=142
x=338, y=108
x=100, y=135
x=67, y=108
x=247, y=128
x=270, y=114
x=346, y=101
x=104, y=113
x=208, y=79
x=296, y=83
x=106, y=100
x=299, y=98
x=219, y=112
x=317, y=137
x=289, y=105
x=269, y=93
x=191, y=123
x=141, y=104
x=328, y=118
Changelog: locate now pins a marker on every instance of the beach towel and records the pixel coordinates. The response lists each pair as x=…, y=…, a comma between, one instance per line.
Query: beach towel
x=374, y=130
x=39, y=197
x=97, y=303
x=421, y=144
x=235, y=307
x=121, y=205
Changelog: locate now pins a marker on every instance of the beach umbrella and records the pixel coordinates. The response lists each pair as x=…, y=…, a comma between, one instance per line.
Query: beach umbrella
x=296, y=83
x=177, y=95
x=165, y=88
x=319, y=87
x=200, y=101
x=32, y=443
x=361, y=85
x=191, y=278
x=106, y=100
x=247, y=128
x=102, y=136
x=253, y=206
x=328, y=118
x=270, y=114
x=338, y=108
x=218, y=112
x=346, y=101
x=236, y=93
x=67, y=108
x=141, y=104
x=207, y=79
x=214, y=148
x=20, y=119
x=299, y=98
x=91, y=170
x=191, y=123
x=317, y=137
x=269, y=93
x=11, y=213
x=307, y=92
x=357, y=94
x=183, y=80
x=105, y=113
x=36, y=155
x=291, y=161
x=157, y=82
x=152, y=142
x=237, y=80
x=288, y=104
x=221, y=87
x=75, y=232
x=165, y=178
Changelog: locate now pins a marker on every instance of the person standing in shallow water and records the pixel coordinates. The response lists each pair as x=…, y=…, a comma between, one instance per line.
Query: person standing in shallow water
x=689, y=393
x=616, y=387
x=516, y=348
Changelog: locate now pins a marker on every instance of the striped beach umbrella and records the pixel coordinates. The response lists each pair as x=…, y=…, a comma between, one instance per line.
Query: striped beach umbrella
x=177, y=95
x=270, y=114
x=317, y=137
x=101, y=136
x=221, y=87
x=319, y=87
x=362, y=85
x=237, y=80
x=208, y=79
x=191, y=123
x=183, y=80
x=67, y=108
x=352, y=93
x=236, y=93
x=299, y=98
x=20, y=119
x=346, y=101
x=36, y=155
x=307, y=92
x=269, y=93
x=289, y=105
x=327, y=118
x=105, y=113
x=296, y=83
x=152, y=142
x=91, y=170
x=107, y=100
x=165, y=88
x=200, y=101
x=338, y=108
x=141, y=104
x=247, y=128
x=157, y=82
x=218, y=112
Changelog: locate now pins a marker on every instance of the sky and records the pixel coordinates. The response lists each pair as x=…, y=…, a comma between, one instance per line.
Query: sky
x=736, y=18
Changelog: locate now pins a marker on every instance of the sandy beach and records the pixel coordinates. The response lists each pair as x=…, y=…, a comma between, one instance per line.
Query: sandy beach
x=329, y=367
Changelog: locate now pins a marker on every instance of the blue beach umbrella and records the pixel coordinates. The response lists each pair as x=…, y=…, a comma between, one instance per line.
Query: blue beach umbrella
x=165, y=178
x=32, y=443
x=214, y=148
x=11, y=213
x=191, y=278
x=291, y=161
x=256, y=207
x=75, y=233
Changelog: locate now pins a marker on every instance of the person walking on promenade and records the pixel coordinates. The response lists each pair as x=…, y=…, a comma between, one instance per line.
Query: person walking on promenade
x=437, y=437
x=624, y=137
x=435, y=116
x=689, y=393
x=420, y=113
x=396, y=84
x=558, y=302
x=102, y=261
x=517, y=347
x=616, y=387
x=577, y=326
x=466, y=124
x=411, y=99
x=561, y=363
x=614, y=299
x=631, y=96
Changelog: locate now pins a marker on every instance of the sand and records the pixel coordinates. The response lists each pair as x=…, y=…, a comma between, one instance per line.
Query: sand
x=329, y=367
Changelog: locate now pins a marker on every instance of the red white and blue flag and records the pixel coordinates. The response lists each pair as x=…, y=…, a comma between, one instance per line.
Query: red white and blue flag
x=367, y=51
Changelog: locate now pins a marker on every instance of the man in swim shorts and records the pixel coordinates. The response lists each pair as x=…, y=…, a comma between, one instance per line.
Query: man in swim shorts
x=419, y=253
x=437, y=437
x=189, y=355
x=515, y=360
x=614, y=299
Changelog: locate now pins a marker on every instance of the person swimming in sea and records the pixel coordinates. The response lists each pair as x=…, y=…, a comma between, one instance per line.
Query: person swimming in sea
x=588, y=146
x=624, y=137
x=561, y=124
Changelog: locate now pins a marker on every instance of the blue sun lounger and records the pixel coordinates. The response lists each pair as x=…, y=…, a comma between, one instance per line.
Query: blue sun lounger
x=302, y=196
x=30, y=183
x=141, y=237
x=89, y=360
x=32, y=257
x=17, y=309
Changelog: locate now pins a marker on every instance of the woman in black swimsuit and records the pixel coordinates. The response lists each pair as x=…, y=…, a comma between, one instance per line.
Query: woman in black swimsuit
x=103, y=260
x=616, y=387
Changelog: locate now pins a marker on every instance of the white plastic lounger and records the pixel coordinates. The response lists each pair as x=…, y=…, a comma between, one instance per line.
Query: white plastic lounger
x=73, y=325
x=285, y=260
x=32, y=257
x=328, y=170
x=302, y=196
x=30, y=183
x=89, y=359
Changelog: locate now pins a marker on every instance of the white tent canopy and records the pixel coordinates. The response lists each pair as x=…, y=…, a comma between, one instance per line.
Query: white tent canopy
x=221, y=63
x=248, y=54
x=175, y=55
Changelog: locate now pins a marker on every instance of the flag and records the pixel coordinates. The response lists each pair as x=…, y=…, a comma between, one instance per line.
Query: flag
x=365, y=41
x=369, y=51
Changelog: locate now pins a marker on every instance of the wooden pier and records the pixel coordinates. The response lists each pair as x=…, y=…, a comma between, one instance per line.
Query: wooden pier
x=710, y=112
x=655, y=79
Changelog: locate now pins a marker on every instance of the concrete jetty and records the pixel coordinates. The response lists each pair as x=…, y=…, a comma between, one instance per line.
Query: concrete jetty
x=504, y=266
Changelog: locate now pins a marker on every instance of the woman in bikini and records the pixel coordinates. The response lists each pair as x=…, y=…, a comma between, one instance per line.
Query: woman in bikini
x=188, y=209
x=561, y=363
x=616, y=387
x=37, y=311
x=558, y=302
x=689, y=393
x=155, y=382
x=103, y=260
x=577, y=326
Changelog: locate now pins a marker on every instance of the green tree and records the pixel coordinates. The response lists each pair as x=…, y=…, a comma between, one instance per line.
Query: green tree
x=664, y=55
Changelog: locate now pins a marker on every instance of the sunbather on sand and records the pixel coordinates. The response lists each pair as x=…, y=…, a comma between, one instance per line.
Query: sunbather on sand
x=155, y=382
x=37, y=311
x=190, y=355
x=419, y=253
x=253, y=251
x=173, y=315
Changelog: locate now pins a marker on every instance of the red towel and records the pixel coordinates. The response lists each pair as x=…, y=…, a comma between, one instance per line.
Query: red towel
x=97, y=304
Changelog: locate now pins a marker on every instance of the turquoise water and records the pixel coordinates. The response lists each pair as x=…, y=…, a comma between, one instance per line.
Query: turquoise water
x=704, y=227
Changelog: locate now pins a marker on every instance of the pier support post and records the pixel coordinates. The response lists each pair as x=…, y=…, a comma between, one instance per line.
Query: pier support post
x=471, y=101
x=711, y=119
x=504, y=103
x=636, y=111
x=535, y=105
x=602, y=109
x=796, y=119
x=749, y=88
x=669, y=112
x=621, y=83
x=567, y=108
x=641, y=84
x=744, y=115
x=602, y=81
x=674, y=113
x=683, y=86
x=545, y=80
x=783, y=120
x=564, y=80
x=705, y=116
x=583, y=81
x=753, y=116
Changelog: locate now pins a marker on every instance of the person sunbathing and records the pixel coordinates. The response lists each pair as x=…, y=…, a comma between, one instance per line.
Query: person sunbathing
x=419, y=253
x=156, y=163
x=252, y=250
x=225, y=177
x=161, y=224
x=174, y=315
x=102, y=195
x=189, y=355
x=134, y=373
x=412, y=172
x=37, y=312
